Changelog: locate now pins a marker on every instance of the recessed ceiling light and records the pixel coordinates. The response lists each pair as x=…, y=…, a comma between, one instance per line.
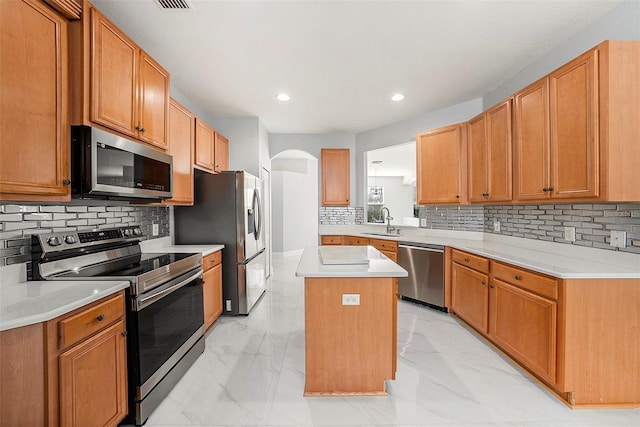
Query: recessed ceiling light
x=397, y=97
x=283, y=97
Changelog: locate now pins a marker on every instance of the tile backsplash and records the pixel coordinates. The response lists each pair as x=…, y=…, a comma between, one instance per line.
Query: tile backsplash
x=459, y=218
x=341, y=215
x=593, y=223
x=19, y=221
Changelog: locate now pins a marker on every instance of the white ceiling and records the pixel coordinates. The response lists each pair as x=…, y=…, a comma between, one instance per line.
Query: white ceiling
x=340, y=61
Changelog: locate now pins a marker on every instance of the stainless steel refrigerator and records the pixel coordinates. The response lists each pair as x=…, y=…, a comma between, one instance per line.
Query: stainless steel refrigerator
x=228, y=210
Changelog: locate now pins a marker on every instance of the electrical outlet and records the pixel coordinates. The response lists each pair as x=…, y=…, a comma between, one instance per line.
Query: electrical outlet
x=350, y=299
x=423, y=222
x=227, y=305
x=155, y=229
x=619, y=239
x=570, y=234
x=496, y=225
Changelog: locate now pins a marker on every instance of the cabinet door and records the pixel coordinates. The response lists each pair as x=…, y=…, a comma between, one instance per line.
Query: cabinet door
x=221, y=153
x=153, y=84
x=204, y=146
x=212, y=295
x=573, y=97
x=477, y=151
x=335, y=177
x=439, y=166
x=93, y=380
x=498, y=166
x=34, y=129
x=181, y=146
x=532, y=141
x=114, y=67
x=524, y=325
x=470, y=296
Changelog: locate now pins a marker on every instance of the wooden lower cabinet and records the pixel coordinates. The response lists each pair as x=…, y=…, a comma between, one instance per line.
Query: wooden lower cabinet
x=470, y=296
x=578, y=336
x=212, y=288
x=93, y=380
x=525, y=326
x=331, y=240
x=357, y=241
x=68, y=371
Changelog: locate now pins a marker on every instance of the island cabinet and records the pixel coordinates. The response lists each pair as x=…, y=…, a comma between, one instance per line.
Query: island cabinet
x=181, y=146
x=576, y=129
x=577, y=336
x=34, y=135
x=116, y=84
x=489, y=155
x=442, y=166
x=335, y=176
x=350, y=321
x=212, y=287
x=68, y=371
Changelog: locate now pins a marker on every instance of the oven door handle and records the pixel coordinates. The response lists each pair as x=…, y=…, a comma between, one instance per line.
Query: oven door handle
x=144, y=302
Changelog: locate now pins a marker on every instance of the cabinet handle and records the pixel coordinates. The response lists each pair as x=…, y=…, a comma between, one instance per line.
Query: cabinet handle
x=141, y=129
x=466, y=260
x=457, y=196
x=545, y=189
x=483, y=283
x=517, y=277
x=138, y=128
x=100, y=317
x=491, y=286
x=125, y=333
x=66, y=181
x=550, y=188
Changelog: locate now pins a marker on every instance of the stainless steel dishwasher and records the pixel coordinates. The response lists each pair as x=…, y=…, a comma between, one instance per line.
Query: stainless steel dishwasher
x=425, y=282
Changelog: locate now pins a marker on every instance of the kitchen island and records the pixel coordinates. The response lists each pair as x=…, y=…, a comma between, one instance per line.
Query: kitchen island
x=350, y=320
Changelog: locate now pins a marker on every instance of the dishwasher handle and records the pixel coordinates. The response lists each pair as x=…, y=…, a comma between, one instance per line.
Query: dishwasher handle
x=420, y=248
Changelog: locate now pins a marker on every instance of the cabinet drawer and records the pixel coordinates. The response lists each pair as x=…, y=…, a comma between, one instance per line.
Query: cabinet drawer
x=331, y=240
x=472, y=261
x=77, y=327
x=534, y=282
x=393, y=256
x=385, y=245
x=358, y=241
x=211, y=260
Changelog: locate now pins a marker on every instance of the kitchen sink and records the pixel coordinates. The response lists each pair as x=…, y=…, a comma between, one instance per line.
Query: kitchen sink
x=383, y=234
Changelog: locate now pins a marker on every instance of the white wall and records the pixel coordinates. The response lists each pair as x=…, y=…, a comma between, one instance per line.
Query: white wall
x=244, y=142
x=295, y=203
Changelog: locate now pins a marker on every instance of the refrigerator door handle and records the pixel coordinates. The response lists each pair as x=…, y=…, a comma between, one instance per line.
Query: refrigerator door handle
x=257, y=219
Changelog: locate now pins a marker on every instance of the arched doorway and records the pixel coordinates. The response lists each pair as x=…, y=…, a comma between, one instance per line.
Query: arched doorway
x=294, y=196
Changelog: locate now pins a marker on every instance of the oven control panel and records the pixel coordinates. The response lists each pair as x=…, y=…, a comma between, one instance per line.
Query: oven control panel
x=50, y=242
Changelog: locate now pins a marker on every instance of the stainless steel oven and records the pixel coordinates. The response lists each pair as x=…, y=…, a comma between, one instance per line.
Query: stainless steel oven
x=165, y=316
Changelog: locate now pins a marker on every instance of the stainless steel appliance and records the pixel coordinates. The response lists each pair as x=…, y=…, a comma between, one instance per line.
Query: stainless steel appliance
x=425, y=265
x=104, y=165
x=227, y=209
x=165, y=317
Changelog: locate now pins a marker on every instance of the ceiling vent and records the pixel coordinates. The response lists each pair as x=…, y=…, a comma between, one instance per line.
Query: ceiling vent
x=174, y=4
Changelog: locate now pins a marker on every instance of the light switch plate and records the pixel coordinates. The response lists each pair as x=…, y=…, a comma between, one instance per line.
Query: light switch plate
x=570, y=234
x=423, y=222
x=350, y=299
x=619, y=239
x=496, y=226
x=155, y=229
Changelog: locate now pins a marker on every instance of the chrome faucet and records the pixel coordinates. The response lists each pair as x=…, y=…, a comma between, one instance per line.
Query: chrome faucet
x=390, y=228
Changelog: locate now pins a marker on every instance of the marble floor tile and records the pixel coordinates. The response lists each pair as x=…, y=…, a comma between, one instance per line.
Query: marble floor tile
x=252, y=374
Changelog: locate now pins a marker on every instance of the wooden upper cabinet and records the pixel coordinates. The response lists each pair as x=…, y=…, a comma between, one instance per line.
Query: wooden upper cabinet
x=573, y=110
x=205, y=140
x=477, y=154
x=221, y=153
x=441, y=166
x=116, y=84
x=181, y=147
x=34, y=129
x=335, y=177
x=114, y=75
x=154, y=102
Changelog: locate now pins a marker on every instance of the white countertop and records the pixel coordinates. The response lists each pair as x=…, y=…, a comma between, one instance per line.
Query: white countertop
x=564, y=261
x=378, y=266
x=27, y=303
x=164, y=244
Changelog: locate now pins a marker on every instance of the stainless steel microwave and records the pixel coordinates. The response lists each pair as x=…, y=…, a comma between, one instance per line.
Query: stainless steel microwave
x=107, y=166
